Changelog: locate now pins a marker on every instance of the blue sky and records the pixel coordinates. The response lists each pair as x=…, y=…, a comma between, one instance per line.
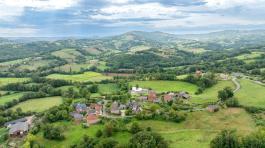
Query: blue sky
x=27, y=18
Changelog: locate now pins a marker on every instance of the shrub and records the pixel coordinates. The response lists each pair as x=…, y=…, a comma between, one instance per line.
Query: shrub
x=232, y=102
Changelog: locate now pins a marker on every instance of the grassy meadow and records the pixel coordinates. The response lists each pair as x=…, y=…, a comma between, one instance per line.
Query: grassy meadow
x=5, y=81
x=108, y=88
x=87, y=76
x=251, y=94
x=38, y=105
x=9, y=98
x=164, y=86
x=74, y=133
x=210, y=94
x=69, y=55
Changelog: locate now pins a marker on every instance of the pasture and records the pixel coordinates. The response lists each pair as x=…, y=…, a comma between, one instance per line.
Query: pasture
x=210, y=94
x=253, y=55
x=34, y=65
x=5, y=81
x=74, y=133
x=108, y=88
x=9, y=98
x=200, y=127
x=69, y=55
x=85, y=77
x=164, y=86
x=38, y=105
x=251, y=94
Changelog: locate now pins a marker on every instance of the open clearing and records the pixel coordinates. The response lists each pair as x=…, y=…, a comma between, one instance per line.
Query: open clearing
x=164, y=86
x=249, y=56
x=39, y=105
x=251, y=94
x=69, y=55
x=74, y=133
x=87, y=76
x=200, y=127
x=210, y=94
x=5, y=81
x=9, y=98
x=108, y=88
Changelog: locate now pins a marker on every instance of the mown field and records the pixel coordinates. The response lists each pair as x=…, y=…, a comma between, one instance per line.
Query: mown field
x=74, y=133
x=5, y=81
x=87, y=76
x=251, y=93
x=38, y=105
x=210, y=94
x=108, y=88
x=9, y=98
x=201, y=127
x=164, y=86
x=69, y=55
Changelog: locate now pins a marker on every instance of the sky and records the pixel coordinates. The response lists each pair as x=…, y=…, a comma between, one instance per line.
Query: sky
x=89, y=18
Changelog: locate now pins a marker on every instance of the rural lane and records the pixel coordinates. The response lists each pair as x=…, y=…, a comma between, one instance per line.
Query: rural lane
x=234, y=79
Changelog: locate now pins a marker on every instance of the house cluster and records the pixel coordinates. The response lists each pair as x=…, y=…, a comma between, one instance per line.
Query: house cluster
x=117, y=108
x=89, y=114
x=152, y=96
x=19, y=127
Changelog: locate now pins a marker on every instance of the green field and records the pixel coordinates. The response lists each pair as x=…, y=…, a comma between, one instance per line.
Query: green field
x=69, y=55
x=34, y=65
x=251, y=93
x=87, y=76
x=3, y=132
x=39, y=105
x=5, y=81
x=108, y=88
x=164, y=86
x=210, y=94
x=9, y=98
x=200, y=127
x=74, y=133
x=249, y=56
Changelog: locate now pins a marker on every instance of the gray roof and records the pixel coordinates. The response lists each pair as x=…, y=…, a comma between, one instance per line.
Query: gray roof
x=15, y=121
x=19, y=126
x=77, y=116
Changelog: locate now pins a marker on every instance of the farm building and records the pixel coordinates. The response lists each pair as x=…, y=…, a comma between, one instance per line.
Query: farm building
x=77, y=117
x=152, y=96
x=183, y=95
x=169, y=97
x=92, y=119
x=115, y=108
x=138, y=90
x=97, y=107
x=18, y=129
x=80, y=107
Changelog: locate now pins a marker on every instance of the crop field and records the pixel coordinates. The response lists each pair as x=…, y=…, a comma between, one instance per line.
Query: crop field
x=9, y=98
x=39, y=105
x=200, y=127
x=251, y=94
x=87, y=76
x=74, y=133
x=164, y=86
x=5, y=81
x=210, y=95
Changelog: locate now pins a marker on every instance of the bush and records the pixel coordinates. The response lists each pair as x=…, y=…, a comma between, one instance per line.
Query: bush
x=135, y=128
x=99, y=133
x=52, y=133
x=225, y=139
x=232, y=102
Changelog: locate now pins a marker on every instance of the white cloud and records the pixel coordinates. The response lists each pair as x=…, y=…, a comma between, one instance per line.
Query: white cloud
x=137, y=11
x=15, y=32
x=12, y=8
x=225, y=4
x=118, y=1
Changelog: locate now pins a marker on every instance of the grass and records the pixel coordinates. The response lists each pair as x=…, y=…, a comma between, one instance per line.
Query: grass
x=5, y=81
x=73, y=134
x=108, y=88
x=251, y=94
x=87, y=76
x=210, y=94
x=249, y=56
x=200, y=127
x=67, y=54
x=3, y=132
x=38, y=105
x=34, y=65
x=164, y=86
x=9, y=98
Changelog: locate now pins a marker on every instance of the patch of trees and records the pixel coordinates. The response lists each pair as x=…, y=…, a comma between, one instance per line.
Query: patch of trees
x=205, y=81
x=58, y=113
x=9, y=115
x=229, y=139
x=52, y=132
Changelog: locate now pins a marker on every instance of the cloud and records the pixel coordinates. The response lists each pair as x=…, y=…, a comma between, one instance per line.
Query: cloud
x=137, y=11
x=118, y=1
x=9, y=9
x=21, y=32
x=226, y=4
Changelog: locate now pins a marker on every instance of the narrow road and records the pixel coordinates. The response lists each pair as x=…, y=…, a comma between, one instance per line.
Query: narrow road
x=234, y=79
